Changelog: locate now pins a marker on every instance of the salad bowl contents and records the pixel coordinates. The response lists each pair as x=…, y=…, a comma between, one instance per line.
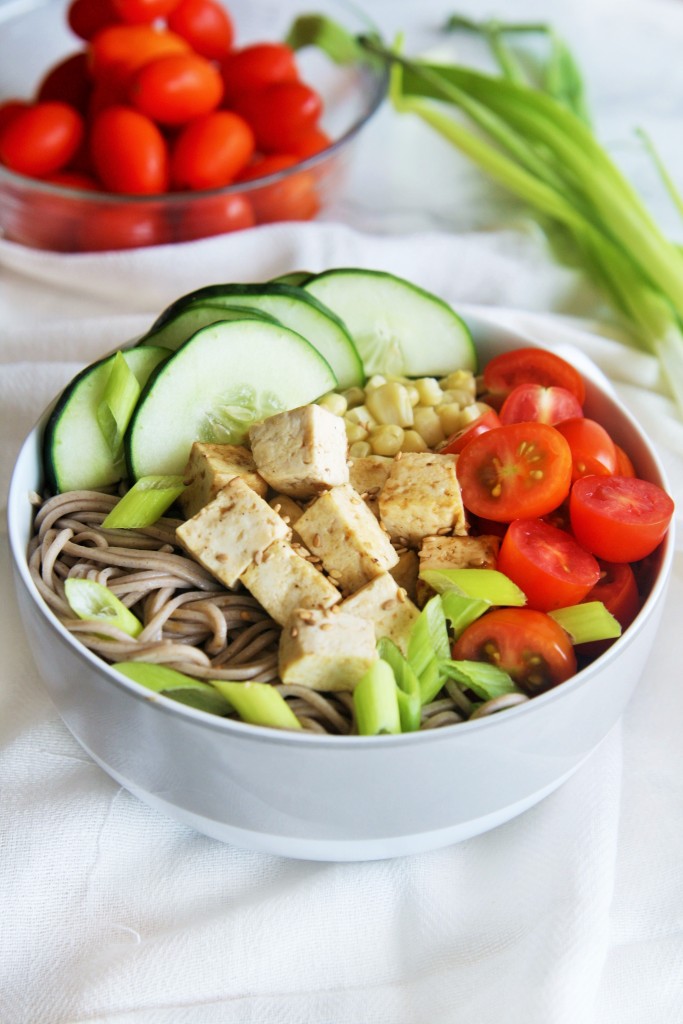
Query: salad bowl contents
x=310, y=537
x=148, y=123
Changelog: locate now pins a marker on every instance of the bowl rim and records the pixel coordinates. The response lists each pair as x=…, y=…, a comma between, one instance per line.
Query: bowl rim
x=476, y=317
x=377, y=74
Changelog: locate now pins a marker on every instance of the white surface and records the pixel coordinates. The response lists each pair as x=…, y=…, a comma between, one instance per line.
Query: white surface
x=571, y=913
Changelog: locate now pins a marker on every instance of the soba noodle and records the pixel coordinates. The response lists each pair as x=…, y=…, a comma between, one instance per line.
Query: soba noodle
x=191, y=623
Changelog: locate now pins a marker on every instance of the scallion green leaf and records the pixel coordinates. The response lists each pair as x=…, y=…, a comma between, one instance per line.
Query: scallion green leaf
x=90, y=600
x=162, y=679
x=409, y=695
x=485, y=680
x=587, y=621
x=482, y=584
x=375, y=700
x=144, y=503
x=258, y=704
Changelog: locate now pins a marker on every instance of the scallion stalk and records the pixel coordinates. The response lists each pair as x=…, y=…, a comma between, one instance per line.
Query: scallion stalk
x=409, y=694
x=258, y=704
x=375, y=700
x=488, y=585
x=168, y=681
x=120, y=396
x=144, y=503
x=90, y=600
x=587, y=621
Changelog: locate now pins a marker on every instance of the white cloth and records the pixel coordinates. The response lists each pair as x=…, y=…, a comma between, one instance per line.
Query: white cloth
x=112, y=914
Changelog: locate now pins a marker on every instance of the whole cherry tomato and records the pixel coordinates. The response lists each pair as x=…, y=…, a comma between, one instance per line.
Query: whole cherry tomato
x=522, y=470
x=543, y=404
x=315, y=140
x=41, y=139
x=9, y=110
x=547, y=564
x=593, y=450
x=215, y=215
x=528, y=644
x=205, y=24
x=211, y=151
x=532, y=366
x=87, y=17
x=257, y=65
x=118, y=51
x=129, y=152
x=295, y=197
x=106, y=228
x=139, y=12
x=624, y=465
x=619, y=518
x=68, y=82
x=279, y=113
x=176, y=88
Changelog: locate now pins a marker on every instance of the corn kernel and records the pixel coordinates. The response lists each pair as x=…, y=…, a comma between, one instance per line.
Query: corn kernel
x=413, y=395
x=386, y=439
x=361, y=414
x=359, y=450
x=354, y=431
x=334, y=403
x=374, y=382
x=390, y=403
x=459, y=395
x=429, y=391
x=413, y=442
x=450, y=416
x=428, y=425
x=354, y=396
x=460, y=380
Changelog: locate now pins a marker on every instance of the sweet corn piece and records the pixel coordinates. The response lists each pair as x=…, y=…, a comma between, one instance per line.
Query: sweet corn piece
x=461, y=380
x=359, y=450
x=334, y=403
x=354, y=431
x=450, y=417
x=413, y=395
x=414, y=442
x=374, y=382
x=458, y=395
x=429, y=390
x=354, y=396
x=361, y=415
x=390, y=403
x=386, y=439
x=428, y=425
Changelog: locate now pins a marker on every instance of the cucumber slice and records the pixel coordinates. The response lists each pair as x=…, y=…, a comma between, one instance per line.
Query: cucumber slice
x=292, y=307
x=76, y=455
x=397, y=327
x=170, y=331
x=226, y=377
x=295, y=277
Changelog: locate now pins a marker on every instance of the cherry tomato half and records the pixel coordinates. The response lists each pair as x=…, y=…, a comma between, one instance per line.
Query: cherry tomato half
x=624, y=465
x=618, y=591
x=140, y=12
x=280, y=113
x=176, y=88
x=41, y=139
x=547, y=564
x=129, y=152
x=593, y=450
x=257, y=65
x=522, y=470
x=211, y=151
x=619, y=518
x=532, y=366
x=457, y=441
x=293, y=198
x=205, y=24
x=528, y=644
x=528, y=402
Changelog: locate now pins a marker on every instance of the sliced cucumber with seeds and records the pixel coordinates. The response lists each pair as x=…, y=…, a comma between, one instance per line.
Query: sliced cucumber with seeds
x=291, y=306
x=171, y=331
x=397, y=327
x=226, y=377
x=76, y=454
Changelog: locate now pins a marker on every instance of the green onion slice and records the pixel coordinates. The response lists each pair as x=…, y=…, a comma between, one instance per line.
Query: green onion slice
x=171, y=683
x=587, y=621
x=375, y=700
x=482, y=584
x=118, y=401
x=259, y=704
x=409, y=694
x=486, y=680
x=91, y=600
x=144, y=503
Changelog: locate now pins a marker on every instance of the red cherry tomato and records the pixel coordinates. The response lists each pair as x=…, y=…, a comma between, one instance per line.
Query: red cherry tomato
x=624, y=465
x=211, y=151
x=618, y=591
x=9, y=110
x=176, y=88
x=528, y=402
x=528, y=644
x=547, y=564
x=118, y=51
x=295, y=197
x=139, y=12
x=280, y=113
x=618, y=518
x=257, y=65
x=41, y=139
x=74, y=179
x=215, y=215
x=68, y=82
x=515, y=471
x=87, y=17
x=315, y=140
x=129, y=152
x=205, y=24
x=532, y=366
x=593, y=450
x=488, y=420
x=107, y=228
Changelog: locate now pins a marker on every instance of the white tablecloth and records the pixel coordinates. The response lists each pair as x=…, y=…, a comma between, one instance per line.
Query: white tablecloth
x=570, y=914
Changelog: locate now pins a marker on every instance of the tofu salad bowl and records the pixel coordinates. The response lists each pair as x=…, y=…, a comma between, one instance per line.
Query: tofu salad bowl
x=320, y=568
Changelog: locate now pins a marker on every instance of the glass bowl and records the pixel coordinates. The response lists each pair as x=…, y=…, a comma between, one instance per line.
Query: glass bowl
x=34, y=36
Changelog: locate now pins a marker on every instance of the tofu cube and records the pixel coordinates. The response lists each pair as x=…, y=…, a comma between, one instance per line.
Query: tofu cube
x=422, y=497
x=368, y=475
x=384, y=603
x=405, y=571
x=287, y=508
x=226, y=535
x=340, y=529
x=326, y=650
x=301, y=452
x=210, y=467
x=282, y=581
x=455, y=553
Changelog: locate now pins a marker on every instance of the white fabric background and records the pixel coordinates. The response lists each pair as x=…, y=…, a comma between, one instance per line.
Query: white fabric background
x=572, y=913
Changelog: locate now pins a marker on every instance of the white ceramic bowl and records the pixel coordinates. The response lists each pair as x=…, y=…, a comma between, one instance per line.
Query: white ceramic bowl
x=334, y=797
